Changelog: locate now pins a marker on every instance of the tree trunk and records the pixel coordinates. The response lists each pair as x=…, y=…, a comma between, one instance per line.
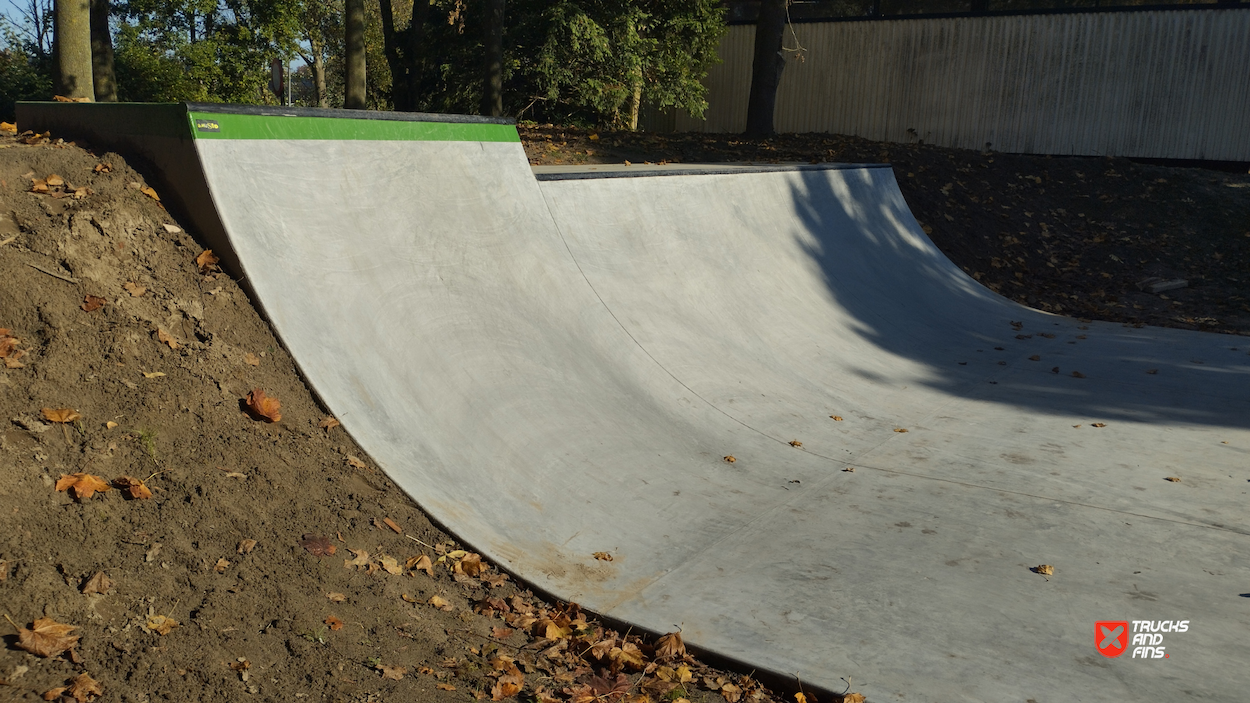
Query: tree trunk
x=73, y=49
x=766, y=68
x=319, y=75
x=492, y=84
x=402, y=48
x=103, y=77
x=354, y=49
x=635, y=102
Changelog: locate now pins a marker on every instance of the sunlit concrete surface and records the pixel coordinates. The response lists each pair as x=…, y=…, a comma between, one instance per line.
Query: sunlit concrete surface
x=558, y=367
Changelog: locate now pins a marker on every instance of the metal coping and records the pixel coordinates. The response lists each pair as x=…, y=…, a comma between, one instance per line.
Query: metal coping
x=279, y=111
x=709, y=171
x=797, y=19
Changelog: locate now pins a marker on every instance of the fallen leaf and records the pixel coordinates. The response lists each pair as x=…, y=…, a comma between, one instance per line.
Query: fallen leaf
x=444, y=687
x=98, y=584
x=111, y=425
x=853, y=698
x=1098, y=424
x=836, y=418
x=221, y=565
x=328, y=424
x=334, y=623
x=627, y=654
x=357, y=463
x=670, y=645
x=1077, y=374
x=603, y=556
x=153, y=374
x=60, y=415
x=251, y=359
x=148, y=191
x=795, y=443
x=683, y=673
x=394, y=673
x=17, y=673
x=336, y=597
x=802, y=697
x=1035, y=357
x=83, y=688
x=161, y=624
x=135, y=290
x=391, y=524
x=421, y=562
x=361, y=558
x=82, y=486
x=207, y=260
x=732, y=693
x=46, y=637
x=132, y=487
x=390, y=565
x=1173, y=479
x=317, y=545
x=9, y=127
x=502, y=633
x=849, y=469
x=91, y=303
x=263, y=407
x=508, y=685
x=54, y=693
x=900, y=429
x=1044, y=570
x=54, y=180
x=167, y=338
x=103, y=168
x=407, y=598
x=241, y=664
x=245, y=546
x=730, y=458
x=440, y=602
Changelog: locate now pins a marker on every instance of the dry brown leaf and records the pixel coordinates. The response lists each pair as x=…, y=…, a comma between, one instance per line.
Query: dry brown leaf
x=407, y=598
x=1044, y=570
x=161, y=624
x=91, y=303
x=900, y=429
x=394, y=673
x=328, y=424
x=628, y=654
x=46, y=637
x=9, y=127
x=81, y=486
x=83, y=688
x=444, y=687
x=153, y=374
x=732, y=693
x=470, y=565
x=103, y=168
x=603, y=556
x=1077, y=374
x=670, y=645
x=336, y=597
x=134, y=289
x=54, y=693
x=508, y=685
x=730, y=458
x=853, y=698
x=221, y=565
x=357, y=463
x=251, y=359
x=132, y=487
x=166, y=338
x=390, y=565
x=245, y=546
x=1173, y=479
x=62, y=415
x=502, y=633
x=98, y=584
x=440, y=602
x=207, y=261
x=360, y=558
x=334, y=623
x=317, y=545
x=262, y=407
x=684, y=675
x=391, y=524
x=54, y=180
x=1098, y=424
x=241, y=664
x=421, y=562
x=836, y=418
x=150, y=192
x=849, y=469
x=795, y=443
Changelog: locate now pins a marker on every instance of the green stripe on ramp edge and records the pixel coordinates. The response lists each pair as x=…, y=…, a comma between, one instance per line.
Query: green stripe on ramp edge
x=210, y=125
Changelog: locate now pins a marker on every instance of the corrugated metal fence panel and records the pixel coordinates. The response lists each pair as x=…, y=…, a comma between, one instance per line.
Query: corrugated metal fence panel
x=1160, y=83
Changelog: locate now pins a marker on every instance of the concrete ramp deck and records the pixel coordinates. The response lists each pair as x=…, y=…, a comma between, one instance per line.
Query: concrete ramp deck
x=557, y=365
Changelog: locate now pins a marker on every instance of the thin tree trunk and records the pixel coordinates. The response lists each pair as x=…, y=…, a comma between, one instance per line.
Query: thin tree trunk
x=766, y=68
x=492, y=85
x=635, y=103
x=402, y=48
x=103, y=77
x=73, y=49
x=354, y=48
x=319, y=76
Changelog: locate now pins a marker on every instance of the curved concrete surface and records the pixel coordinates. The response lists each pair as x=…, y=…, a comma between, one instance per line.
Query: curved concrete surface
x=557, y=367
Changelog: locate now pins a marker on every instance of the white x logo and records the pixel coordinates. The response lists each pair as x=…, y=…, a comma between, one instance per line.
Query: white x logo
x=1110, y=637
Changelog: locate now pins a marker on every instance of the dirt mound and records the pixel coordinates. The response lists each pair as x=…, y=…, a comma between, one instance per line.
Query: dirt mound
x=271, y=561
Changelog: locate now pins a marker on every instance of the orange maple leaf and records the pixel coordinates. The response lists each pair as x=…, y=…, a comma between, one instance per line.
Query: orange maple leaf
x=60, y=415
x=263, y=407
x=334, y=623
x=132, y=487
x=46, y=637
x=81, y=485
x=207, y=261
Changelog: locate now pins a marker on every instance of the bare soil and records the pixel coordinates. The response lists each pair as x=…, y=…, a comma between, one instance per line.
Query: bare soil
x=228, y=546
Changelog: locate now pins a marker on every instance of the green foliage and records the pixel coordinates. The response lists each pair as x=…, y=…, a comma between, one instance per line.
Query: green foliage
x=22, y=77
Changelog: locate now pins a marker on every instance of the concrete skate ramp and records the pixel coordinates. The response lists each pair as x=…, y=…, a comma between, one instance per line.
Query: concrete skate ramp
x=558, y=367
